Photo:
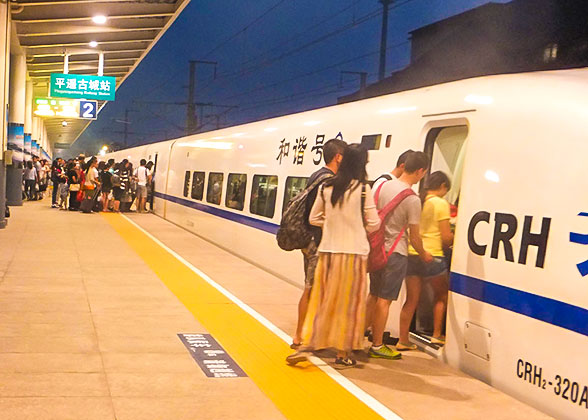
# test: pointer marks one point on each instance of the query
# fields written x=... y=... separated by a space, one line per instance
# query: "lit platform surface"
x=90 y=312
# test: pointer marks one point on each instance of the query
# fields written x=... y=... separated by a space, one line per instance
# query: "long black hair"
x=434 y=182
x=90 y=163
x=352 y=168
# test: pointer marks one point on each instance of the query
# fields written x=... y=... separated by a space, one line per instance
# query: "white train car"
x=516 y=147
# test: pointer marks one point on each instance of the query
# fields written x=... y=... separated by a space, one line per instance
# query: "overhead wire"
x=311 y=73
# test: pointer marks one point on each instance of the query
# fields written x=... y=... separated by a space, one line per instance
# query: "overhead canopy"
x=48 y=30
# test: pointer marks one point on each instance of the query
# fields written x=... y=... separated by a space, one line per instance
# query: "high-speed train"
x=516 y=148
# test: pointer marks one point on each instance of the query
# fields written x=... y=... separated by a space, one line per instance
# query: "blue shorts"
x=417 y=267
x=387 y=282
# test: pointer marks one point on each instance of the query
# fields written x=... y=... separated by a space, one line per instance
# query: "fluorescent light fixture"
x=270 y=129
x=311 y=123
x=492 y=176
x=397 y=110
x=479 y=99
x=99 y=19
x=93 y=44
x=64 y=123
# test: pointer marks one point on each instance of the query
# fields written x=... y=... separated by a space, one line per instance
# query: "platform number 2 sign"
x=88 y=110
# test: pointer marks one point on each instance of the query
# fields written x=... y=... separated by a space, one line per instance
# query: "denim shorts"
x=417 y=267
x=387 y=282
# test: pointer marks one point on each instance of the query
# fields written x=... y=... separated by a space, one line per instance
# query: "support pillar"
x=16 y=119
x=28 y=122
x=4 y=70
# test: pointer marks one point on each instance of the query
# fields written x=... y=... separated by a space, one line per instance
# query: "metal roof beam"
x=73 y=68
x=60 y=62
x=73 y=44
x=89 y=18
x=90 y=31
x=62 y=2
x=86 y=52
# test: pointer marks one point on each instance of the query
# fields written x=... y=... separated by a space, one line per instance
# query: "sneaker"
x=345 y=363
x=384 y=352
x=299 y=356
x=405 y=347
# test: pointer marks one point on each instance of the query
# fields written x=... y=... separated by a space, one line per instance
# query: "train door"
x=446 y=146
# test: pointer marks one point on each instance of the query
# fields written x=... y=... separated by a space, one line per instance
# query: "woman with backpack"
x=345 y=210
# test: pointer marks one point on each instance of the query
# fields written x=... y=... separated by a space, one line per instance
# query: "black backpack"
x=295 y=231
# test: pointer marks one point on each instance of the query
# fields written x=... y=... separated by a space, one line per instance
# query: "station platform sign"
x=78 y=86
x=65 y=108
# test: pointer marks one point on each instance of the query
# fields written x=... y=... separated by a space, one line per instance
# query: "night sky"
x=275 y=57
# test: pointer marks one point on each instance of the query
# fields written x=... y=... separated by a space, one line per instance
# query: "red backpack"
x=378 y=257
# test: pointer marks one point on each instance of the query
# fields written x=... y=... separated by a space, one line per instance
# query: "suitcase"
x=87 y=204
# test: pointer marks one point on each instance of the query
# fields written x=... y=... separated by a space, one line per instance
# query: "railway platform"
x=106 y=317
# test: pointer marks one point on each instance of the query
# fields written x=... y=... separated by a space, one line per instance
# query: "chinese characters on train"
x=299 y=146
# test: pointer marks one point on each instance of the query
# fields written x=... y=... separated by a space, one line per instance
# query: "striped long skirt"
x=336 y=310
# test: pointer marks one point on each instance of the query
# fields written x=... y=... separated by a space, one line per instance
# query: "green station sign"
x=78 y=86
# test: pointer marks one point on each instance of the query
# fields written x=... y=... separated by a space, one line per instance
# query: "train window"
x=186 y=183
x=294 y=184
x=371 y=141
x=388 y=140
x=236 y=191
x=215 y=187
x=263 y=195
x=197 y=185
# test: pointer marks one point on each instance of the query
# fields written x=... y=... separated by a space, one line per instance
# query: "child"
x=63 y=192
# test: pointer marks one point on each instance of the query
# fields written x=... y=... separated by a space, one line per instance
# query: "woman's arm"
x=370 y=214
x=317 y=213
x=446 y=233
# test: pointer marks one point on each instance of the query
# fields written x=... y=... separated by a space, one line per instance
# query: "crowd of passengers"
x=336 y=310
x=110 y=185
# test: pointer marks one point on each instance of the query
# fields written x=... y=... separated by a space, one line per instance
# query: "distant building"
x=523 y=35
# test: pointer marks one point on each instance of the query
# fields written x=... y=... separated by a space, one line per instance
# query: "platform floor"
x=90 y=309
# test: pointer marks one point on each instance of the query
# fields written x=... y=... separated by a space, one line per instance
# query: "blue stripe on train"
x=554 y=312
x=239 y=218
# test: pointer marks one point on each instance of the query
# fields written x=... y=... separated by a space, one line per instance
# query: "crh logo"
x=582 y=239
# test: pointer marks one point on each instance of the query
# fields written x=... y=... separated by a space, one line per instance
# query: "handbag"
x=80 y=196
x=74 y=187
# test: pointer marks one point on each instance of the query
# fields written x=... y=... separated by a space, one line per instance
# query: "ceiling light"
x=64 y=123
x=93 y=44
x=99 y=19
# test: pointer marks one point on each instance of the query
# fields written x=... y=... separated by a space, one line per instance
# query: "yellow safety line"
x=299 y=393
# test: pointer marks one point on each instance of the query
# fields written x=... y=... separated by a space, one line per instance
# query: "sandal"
x=345 y=362
x=405 y=347
x=295 y=346
x=299 y=356
x=438 y=340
